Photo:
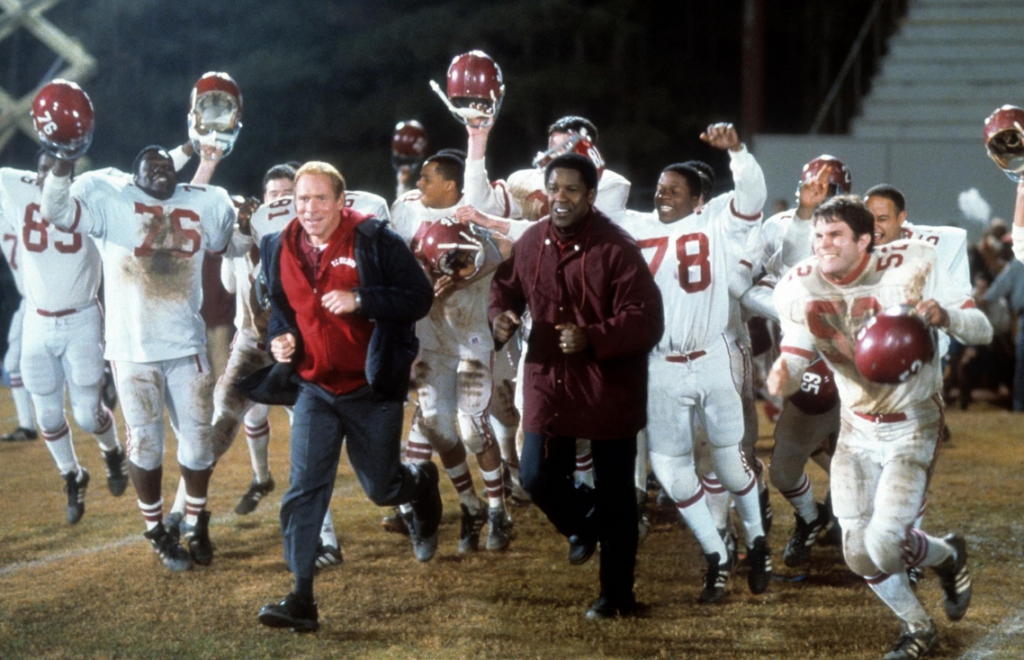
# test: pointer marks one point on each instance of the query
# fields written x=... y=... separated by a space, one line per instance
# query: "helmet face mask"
x=840 y=181
x=1004 y=140
x=215 y=115
x=450 y=248
x=475 y=89
x=577 y=142
x=63 y=115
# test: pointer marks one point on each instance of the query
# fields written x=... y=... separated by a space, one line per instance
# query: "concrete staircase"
x=951 y=64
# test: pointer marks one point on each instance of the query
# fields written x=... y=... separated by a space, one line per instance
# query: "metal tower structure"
x=73 y=61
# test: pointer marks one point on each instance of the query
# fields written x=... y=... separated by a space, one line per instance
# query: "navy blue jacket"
x=394 y=293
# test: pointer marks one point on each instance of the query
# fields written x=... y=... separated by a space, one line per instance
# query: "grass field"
x=96 y=590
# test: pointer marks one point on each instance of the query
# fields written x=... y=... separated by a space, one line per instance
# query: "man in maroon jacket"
x=596 y=314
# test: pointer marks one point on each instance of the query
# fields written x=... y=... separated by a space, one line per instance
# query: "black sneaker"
x=75 y=486
x=172 y=523
x=167 y=548
x=426 y=514
x=798 y=550
x=398 y=522
x=499 y=534
x=117 y=470
x=914 y=575
x=328 y=555
x=759 y=559
x=20 y=434
x=198 y=538
x=252 y=497
x=955 y=579
x=472 y=524
x=913 y=645
x=299 y=614
x=714 y=579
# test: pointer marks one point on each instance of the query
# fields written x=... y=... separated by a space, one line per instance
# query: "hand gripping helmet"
x=839 y=178
x=448 y=247
x=409 y=144
x=1004 y=140
x=63 y=116
x=817 y=393
x=578 y=142
x=215 y=112
x=893 y=346
x=475 y=88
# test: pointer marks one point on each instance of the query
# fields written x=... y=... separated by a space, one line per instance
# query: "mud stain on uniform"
x=167 y=273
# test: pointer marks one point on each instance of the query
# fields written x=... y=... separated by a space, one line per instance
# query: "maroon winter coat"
x=600 y=282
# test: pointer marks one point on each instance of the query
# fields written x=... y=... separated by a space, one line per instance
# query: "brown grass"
x=96 y=590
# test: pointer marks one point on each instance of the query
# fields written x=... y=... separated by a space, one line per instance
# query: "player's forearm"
x=758 y=301
x=750 y=192
x=479 y=192
x=57 y=207
x=180 y=156
x=204 y=173
x=969 y=326
x=239 y=245
x=787 y=372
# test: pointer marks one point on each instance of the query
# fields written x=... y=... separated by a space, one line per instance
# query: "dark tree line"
x=329 y=80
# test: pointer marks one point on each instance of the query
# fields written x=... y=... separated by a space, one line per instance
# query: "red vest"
x=334 y=347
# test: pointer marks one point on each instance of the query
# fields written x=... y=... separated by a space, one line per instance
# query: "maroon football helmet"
x=475 y=88
x=578 y=142
x=448 y=247
x=1004 y=140
x=215 y=112
x=63 y=116
x=409 y=140
x=817 y=394
x=839 y=178
x=893 y=346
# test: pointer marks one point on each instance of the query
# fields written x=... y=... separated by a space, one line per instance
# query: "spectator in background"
x=1009 y=285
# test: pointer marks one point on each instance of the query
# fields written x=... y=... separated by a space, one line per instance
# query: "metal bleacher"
x=918 y=126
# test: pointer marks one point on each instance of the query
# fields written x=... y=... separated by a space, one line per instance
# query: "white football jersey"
x=408 y=213
x=152 y=254
x=9 y=244
x=787 y=241
x=691 y=260
x=59 y=269
x=819 y=315
x=951 y=244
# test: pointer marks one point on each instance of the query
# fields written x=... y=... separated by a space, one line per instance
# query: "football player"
x=891 y=419
x=691 y=255
x=799 y=435
x=450 y=398
x=152 y=234
x=62 y=344
x=26 y=429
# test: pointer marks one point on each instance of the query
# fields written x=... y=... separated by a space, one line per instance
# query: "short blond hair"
x=326 y=169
